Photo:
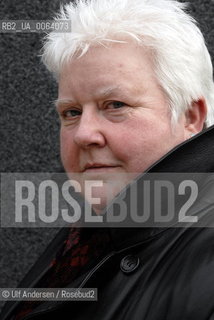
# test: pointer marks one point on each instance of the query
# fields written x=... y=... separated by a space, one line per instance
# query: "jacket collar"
x=193 y=155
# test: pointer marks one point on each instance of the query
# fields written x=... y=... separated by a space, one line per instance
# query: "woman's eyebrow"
x=59 y=103
x=104 y=93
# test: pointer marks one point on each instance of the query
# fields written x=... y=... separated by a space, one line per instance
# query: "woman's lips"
x=100 y=168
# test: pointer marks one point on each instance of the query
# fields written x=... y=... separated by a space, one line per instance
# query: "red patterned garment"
x=82 y=247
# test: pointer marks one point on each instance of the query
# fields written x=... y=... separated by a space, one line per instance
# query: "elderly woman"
x=135 y=81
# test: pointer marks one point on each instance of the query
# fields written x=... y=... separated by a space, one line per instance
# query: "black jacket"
x=164 y=273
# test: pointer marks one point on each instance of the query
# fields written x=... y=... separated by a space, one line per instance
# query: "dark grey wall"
x=28 y=127
x=28 y=122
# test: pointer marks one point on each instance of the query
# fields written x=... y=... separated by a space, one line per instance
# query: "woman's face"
x=115 y=119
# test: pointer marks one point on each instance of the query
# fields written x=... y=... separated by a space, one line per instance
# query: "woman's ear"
x=196 y=116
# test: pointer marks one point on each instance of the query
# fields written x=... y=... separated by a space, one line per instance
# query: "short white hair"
x=181 y=60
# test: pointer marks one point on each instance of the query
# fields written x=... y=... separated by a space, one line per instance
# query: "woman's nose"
x=89 y=131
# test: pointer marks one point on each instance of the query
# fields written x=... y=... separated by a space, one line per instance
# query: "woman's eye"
x=71 y=113
x=116 y=104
